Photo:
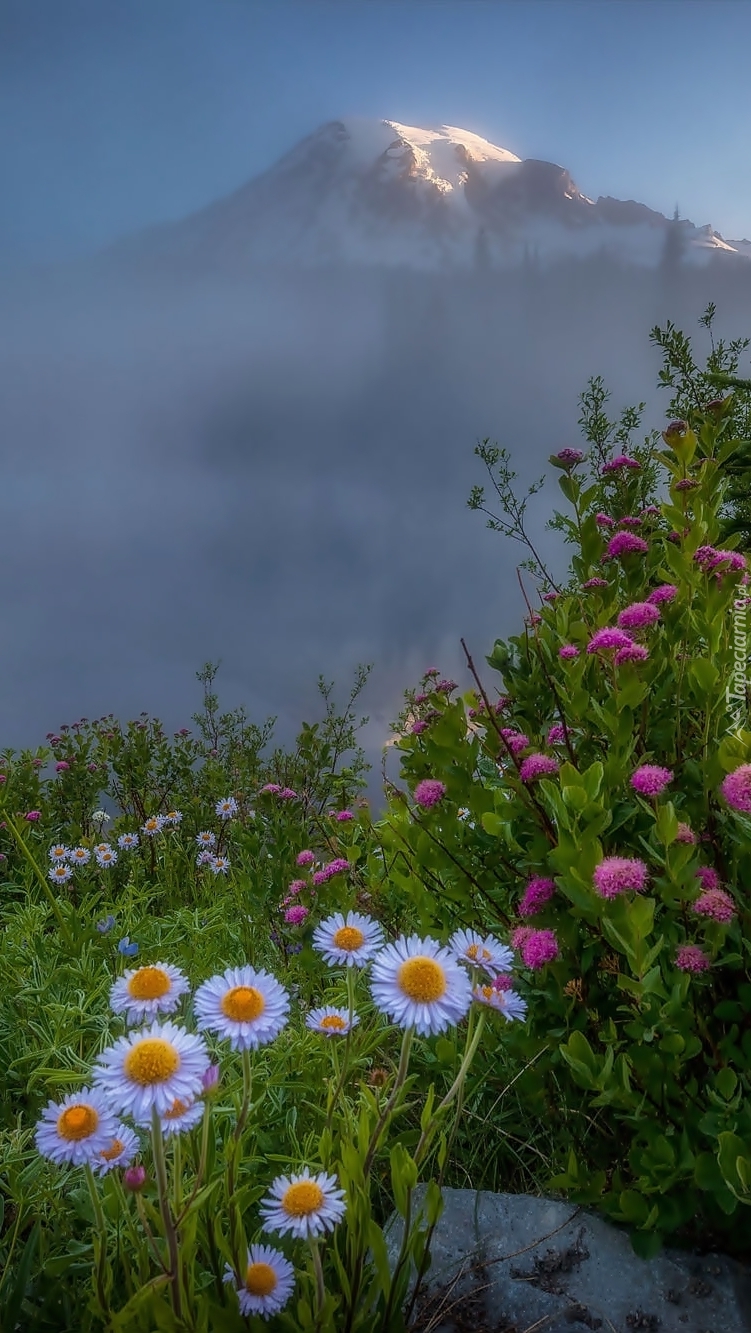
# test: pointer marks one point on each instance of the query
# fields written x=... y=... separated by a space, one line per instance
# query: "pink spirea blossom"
x=607 y=638
x=429 y=792
x=639 y=615
x=33 y=816
x=538 y=892
x=537 y=766
x=294 y=916
x=664 y=593
x=445 y=686
x=626 y=543
x=519 y=935
x=686 y=484
x=621 y=461
x=706 y=556
x=418 y=726
x=604 y=521
x=690 y=958
x=550 y=596
x=333 y=868
x=651 y=511
x=685 y=834
x=650 y=779
x=432 y=671
x=342 y=815
x=633 y=652
x=570 y=455
x=596 y=583
x=287 y=794
x=539 y=948
x=708 y=878
x=716 y=904
x=555 y=734
x=61 y=766
x=297 y=886
x=319 y=877
x=732 y=560
x=305 y=858
x=736 y=788
x=421 y=697
x=620 y=874
x=272 y=788
x=515 y=740
x=629 y=521
x=568 y=650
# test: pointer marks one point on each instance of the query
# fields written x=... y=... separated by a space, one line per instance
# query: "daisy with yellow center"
x=267 y=1283
x=304 y=1206
x=420 y=984
x=350 y=940
x=143 y=992
x=59 y=852
x=178 y=1118
x=154 y=824
x=506 y=1002
x=102 y=847
x=483 y=951
x=106 y=857
x=79 y=856
x=331 y=1022
x=152 y=1068
x=77 y=1129
x=246 y=1006
x=59 y=873
x=120 y=1151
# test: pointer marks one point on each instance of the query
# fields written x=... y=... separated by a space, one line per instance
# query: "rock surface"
x=506 y=1263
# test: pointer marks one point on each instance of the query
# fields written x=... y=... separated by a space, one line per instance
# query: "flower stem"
x=160 y=1171
x=101 y=1245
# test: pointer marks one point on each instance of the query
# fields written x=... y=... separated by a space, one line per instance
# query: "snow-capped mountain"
x=376 y=192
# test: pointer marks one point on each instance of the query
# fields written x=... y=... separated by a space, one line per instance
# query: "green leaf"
x=726 y=1081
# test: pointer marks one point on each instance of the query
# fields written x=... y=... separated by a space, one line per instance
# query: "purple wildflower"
x=305 y=858
x=651 y=779
x=294 y=916
x=568 y=650
x=607 y=638
x=539 y=948
x=685 y=834
x=571 y=456
x=538 y=892
x=736 y=788
x=429 y=792
x=633 y=652
x=622 y=460
x=556 y=734
x=537 y=766
x=639 y=615
x=708 y=878
x=620 y=874
x=604 y=521
x=626 y=543
x=690 y=958
x=665 y=592
x=716 y=904
x=596 y=583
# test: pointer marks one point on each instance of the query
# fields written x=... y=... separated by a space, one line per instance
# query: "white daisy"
x=59 y=852
x=419 y=984
x=143 y=992
x=120 y=1151
x=219 y=865
x=267 y=1283
x=59 y=872
x=152 y=1067
x=249 y=1008
x=481 y=951
x=127 y=840
x=331 y=1022
x=154 y=824
x=507 y=1002
x=303 y=1205
x=180 y=1117
x=226 y=808
x=106 y=857
x=76 y=1129
x=102 y=847
x=206 y=839
x=79 y=856
x=204 y=859
x=350 y=940
x=173 y=818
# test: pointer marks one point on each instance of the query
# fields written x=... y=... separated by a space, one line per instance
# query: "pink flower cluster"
x=603 y=640
x=716 y=904
x=555 y=734
x=537 y=947
x=596 y=583
x=305 y=858
x=429 y=792
x=685 y=834
x=690 y=958
x=342 y=815
x=621 y=461
x=620 y=874
x=625 y=543
x=665 y=592
x=537 y=766
x=515 y=740
x=708 y=878
x=629 y=521
x=538 y=892
x=736 y=788
x=333 y=868
x=639 y=615
x=294 y=916
x=568 y=650
x=650 y=779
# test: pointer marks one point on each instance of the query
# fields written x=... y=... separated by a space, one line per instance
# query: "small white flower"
x=303 y=1205
x=79 y=856
x=204 y=859
x=143 y=992
x=102 y=847
x=331 y=1022
x=226 y=808
x=178 y=1119
x=59 y=872
x=154 y=824
x=59 y=852
x=173 y=818
x=100 y=817
x=507 y=1002
x=481 y=951
x=76 y=1129
x=267 y=1283
x=248 y=1007
x=349 y=940
x=127 y=840
x=106 y=857
x=153 y=1067
x=206 y=839
x=420 y=984
x=219 y=865
x=120 y=1151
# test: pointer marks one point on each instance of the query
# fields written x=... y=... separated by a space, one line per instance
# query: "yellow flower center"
x=148 y=983
x=260 y=1280
x=171 y=814
x=422 y=979
x=114 y=1150
x=471 y=951
x=349 y=938
x=77 y=1122
x=303 y=1198
x=177 y=1109
x=487 y=992
x=333 y=1022
x=243 y=1004
x=60 y=870
x=152 y=1060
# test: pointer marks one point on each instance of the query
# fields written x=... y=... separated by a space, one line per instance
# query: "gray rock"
x=514 y=1263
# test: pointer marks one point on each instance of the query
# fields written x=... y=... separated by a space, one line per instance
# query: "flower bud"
x=681 y=439
x=134 y=1179
x=210 y=1079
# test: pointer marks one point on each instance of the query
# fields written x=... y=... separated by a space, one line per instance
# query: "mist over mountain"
x=206 y=460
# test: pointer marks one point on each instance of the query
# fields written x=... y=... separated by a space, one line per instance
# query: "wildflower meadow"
x=240 y=1020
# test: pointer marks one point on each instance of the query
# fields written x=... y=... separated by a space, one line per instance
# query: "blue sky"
x=115 y=114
